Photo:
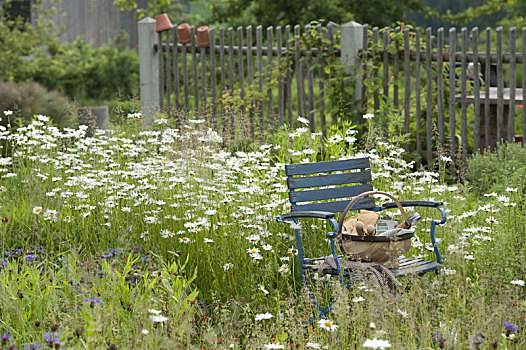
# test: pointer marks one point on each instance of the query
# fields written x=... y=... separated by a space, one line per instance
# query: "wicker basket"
x=379 y=249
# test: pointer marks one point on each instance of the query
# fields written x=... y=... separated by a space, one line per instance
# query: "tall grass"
x=174 y=202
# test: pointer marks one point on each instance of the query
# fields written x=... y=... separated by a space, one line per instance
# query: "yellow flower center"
x=328 y=323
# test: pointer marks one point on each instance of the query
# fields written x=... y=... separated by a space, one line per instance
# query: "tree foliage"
x=274 y=13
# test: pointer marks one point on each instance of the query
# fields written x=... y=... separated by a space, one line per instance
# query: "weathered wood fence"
x=455 y=98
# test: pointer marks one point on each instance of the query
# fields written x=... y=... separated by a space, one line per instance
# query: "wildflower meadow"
x=167 y=239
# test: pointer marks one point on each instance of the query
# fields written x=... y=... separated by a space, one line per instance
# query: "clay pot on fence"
x=203 y=36
x=162 y=23
x=183 y=33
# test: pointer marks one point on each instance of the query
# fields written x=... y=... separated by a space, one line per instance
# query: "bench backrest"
x=328 y=186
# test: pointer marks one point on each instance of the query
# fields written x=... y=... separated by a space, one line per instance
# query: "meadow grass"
x=167 y=239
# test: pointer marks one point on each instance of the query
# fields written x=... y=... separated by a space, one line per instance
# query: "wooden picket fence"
x=445 y=108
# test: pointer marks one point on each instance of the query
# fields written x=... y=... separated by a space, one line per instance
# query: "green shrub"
x=497 y=170
x=29 y=98
x=82 y=72
x=76 y=69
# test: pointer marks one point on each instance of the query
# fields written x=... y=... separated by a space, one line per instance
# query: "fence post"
x=149 y=70
x=351 y=44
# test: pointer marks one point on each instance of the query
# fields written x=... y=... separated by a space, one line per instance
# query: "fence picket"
x=161 y=72
x=176 y=68
x=376 y=93
x=452 y=49
x=288 y=87
x=270 y=116
x=281 y=96
x=250 y=75
x=440 y=88
x=168 y=75
x=310 y=79
x=487 y=87
x=213 y=77
x=476 y=89
x=259 y=53
x=194 y=69
x=222 y=73
x=240 y=65
x=417 y=95
x=185 y=78
x=321 y=87
x=231 y=77
x=463 y=82
x=396 y=72
x=202 y=52
x=363 y=60
x=500 y=88
x=407 y=92
x=513 y=85
x=385 y=80
x=429 y=94
x=298 y=68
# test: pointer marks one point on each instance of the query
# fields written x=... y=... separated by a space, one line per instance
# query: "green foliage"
x=81 y=71
x=274 y=13
x=191 y=204
x=21 y=41
x=28 y=98
x=40 y=290
x=495 y=171
x=75 y=69
x=176 y=10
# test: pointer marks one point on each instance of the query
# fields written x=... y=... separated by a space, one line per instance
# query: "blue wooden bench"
x=322 y=189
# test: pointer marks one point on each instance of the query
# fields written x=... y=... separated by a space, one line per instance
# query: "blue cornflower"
x=439 y=339
x=93 y=300
x=31 y=257
x=32 y=346
x=51 y=338
x=509 y=327
x=3 y=262
x=5 y=337
x=113 y=251
x=145 y=259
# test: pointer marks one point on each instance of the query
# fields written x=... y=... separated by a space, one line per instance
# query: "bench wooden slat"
x=329 y=180
x=335 y=207
x=326 y=167
x=407 y=267
x=419 y=267
x=328 y=193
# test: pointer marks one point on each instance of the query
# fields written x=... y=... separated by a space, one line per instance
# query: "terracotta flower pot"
x=183 y=33
x=203 y=36
x=162 y=23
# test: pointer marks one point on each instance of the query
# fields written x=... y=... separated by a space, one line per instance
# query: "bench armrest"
x=307 y=214
x=413 y=204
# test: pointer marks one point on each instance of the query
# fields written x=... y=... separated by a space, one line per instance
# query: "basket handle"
x=364 y=194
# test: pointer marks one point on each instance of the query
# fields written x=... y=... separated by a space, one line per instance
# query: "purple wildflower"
x=93 y=300
x=509 y=327
x=439 y=339
x=32 y=346
x=51 y=338
x=5 y=337
x=31 y=257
